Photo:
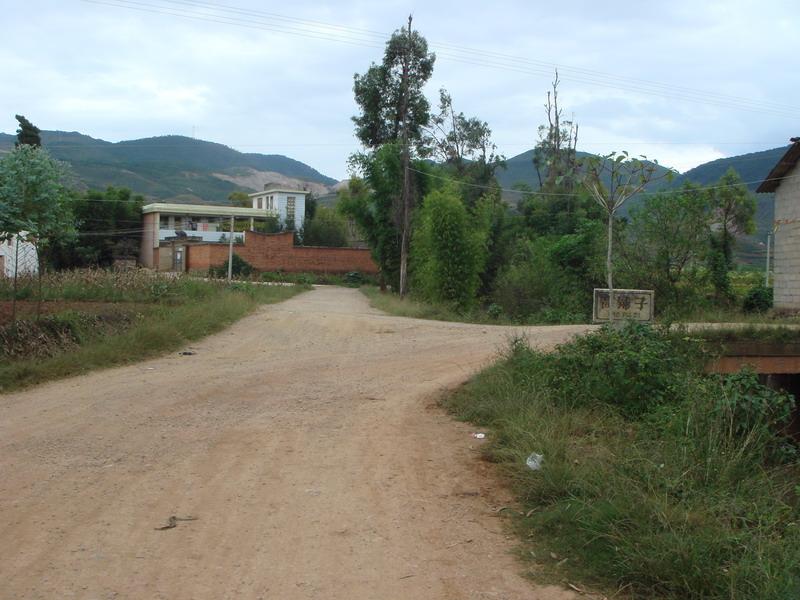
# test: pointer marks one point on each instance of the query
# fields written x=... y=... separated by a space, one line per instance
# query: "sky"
x=682 y=82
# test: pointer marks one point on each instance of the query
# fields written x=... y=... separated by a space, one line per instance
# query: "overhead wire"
x=229 y=15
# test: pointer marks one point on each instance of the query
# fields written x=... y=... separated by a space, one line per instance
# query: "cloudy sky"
x=684 y=82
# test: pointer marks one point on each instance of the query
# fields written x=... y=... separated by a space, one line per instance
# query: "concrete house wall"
x=280 y=199
x=786 y=285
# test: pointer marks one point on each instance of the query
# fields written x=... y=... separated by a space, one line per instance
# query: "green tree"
x=394 y=110
x=666 y=241
x=734 y=211
x=625 y=178
x=108 y=226
x=371 y=203
x=27 y=133
x=449 y=249
x=385 y=88
x=240 y=199
x=555 y=155
x=311 y=205
x=463 y=146
x=34 y=199
x=327 y=228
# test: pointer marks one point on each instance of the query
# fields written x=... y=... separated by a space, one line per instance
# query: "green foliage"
x=758 y=300
x=33 y=195
x=327 y=228
x=239 y=268
x=550 y=278
x=449 y=249
x=665 y=244
x=379 y=92
x=635 y=368
x=108 y=226
x=240 y=199
x=733 y=209
x=165 y=167
x=27 y=133
x=694 y=498
x=371 y=203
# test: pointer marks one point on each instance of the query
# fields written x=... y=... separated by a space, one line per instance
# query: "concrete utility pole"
x=230 y=254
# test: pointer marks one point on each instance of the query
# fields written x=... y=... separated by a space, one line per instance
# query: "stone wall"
x=787 y=243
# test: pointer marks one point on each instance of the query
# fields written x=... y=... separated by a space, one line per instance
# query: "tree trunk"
x=405 y=221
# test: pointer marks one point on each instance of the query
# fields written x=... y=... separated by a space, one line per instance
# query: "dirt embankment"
x=304 y=440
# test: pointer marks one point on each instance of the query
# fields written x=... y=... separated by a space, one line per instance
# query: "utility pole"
x=406 y=194
x=230 y=253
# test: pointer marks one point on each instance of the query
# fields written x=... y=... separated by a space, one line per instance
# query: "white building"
x=784 y=180
x=290 y=205
x=26 y=261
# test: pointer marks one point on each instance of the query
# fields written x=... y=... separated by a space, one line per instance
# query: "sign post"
x=629 y=305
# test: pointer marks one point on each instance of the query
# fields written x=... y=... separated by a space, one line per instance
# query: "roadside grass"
x=353 y=279
x=414 y=308
x=657 y=481
x=185 y=311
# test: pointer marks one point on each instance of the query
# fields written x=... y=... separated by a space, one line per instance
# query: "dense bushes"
x=449 y=250
x=326 y=228
x=656 y=478
x=239 y=268
x=758 y=299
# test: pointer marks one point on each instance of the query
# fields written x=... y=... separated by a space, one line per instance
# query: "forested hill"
x=751 y=167
x=173 y=167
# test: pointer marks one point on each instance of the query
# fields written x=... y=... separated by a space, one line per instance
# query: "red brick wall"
x=277 y=252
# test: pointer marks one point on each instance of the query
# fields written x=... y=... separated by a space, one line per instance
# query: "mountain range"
x=182 y=169
x=173 y=167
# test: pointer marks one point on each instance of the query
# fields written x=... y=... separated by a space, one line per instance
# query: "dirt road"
x=304 y=439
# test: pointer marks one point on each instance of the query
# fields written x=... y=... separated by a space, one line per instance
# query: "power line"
x=229 y=15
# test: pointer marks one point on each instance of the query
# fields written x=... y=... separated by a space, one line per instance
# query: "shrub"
x=758 y=300
x=327 y=228
x=449 y=250
x=239 y=268
x=635 y=368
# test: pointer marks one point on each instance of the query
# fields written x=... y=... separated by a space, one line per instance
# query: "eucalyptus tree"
x=394 y=111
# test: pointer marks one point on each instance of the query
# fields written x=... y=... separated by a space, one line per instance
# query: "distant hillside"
x=174 y=167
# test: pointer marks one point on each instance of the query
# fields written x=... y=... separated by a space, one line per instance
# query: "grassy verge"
x=161 y=327
x=656 y=479
x=410 y=307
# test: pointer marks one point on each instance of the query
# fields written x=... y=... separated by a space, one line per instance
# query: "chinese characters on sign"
x=629 y=305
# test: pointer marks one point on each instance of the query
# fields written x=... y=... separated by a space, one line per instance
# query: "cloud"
x=120 y=74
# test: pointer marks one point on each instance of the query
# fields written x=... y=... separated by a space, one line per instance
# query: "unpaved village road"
x=305 y=440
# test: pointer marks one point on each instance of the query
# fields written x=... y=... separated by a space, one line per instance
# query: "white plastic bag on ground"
x=534 y=461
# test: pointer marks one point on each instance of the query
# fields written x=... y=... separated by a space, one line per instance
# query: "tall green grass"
x=656 y=479
x=167 y=325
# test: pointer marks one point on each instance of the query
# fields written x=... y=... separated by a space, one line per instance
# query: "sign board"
x=629 y=305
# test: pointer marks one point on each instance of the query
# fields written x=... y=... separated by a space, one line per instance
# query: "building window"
x=290 y=209
x=260 y=205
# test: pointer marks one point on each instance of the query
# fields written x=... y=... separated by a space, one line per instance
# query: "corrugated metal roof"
x=782 y=169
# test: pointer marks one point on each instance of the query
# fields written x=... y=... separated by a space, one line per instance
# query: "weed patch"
x=656 y=478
